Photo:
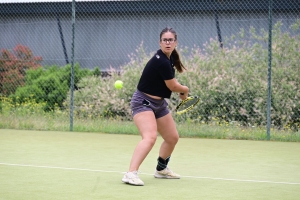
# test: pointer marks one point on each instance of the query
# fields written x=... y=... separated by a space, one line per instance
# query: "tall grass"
x=31 y=116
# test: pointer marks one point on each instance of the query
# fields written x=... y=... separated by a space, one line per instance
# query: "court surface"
x=69 y=165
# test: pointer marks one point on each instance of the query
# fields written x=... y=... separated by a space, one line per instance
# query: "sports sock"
x=162 y=163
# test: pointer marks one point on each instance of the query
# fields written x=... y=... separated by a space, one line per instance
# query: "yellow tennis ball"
x=118 y=84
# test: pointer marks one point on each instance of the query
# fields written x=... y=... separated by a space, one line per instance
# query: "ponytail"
x=177 y=62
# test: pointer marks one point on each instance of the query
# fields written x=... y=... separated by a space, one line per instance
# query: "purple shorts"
x=141 y=102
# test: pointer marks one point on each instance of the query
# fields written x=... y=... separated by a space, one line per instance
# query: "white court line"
x=195 y=177
x=64 y=168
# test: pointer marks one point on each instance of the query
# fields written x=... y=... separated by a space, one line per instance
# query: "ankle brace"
x=162 y=163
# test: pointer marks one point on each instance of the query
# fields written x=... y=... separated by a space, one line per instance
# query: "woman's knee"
x=150 y=140
x=172 y=139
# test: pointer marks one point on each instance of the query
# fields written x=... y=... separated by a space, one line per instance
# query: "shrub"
x=97 y=97
x=13 y=67
x=231 y=81
x=49 y=85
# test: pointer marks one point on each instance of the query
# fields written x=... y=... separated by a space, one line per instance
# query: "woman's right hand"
x=184 y=95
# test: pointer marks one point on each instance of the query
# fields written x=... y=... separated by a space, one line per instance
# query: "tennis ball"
x=118 y=84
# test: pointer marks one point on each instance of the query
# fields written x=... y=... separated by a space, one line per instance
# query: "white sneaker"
x=132 y=178
x=166 y=173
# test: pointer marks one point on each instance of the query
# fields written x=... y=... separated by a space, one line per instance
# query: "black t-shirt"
x=158 y=69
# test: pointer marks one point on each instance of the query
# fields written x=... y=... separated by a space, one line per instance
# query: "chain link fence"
x=223 y=43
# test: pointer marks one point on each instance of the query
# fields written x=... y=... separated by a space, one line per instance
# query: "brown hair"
x=177 y=62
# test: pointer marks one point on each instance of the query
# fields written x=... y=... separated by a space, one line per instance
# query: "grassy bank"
x=61 y=122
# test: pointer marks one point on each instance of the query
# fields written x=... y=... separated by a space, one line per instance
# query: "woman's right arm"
x=175 y=86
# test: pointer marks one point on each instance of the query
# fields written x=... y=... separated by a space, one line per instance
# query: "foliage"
x=13 y=67
x=30 y=116
x=49 y=85
x=231 y=81
x=96 y=72
x=28 y=107
x=98 y=97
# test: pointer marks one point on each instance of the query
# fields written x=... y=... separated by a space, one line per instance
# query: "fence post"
x=72 y=68
x=269 y=72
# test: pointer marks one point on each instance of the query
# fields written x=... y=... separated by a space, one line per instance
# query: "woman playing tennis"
x=149 y=108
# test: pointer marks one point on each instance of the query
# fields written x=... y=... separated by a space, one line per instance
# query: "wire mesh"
x=223 y=43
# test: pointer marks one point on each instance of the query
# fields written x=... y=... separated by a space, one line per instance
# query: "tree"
x=13 y=66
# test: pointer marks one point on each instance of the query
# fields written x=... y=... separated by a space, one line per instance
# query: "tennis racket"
x=187 y=104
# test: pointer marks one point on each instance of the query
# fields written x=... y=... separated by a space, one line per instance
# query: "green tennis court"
x=69 y=165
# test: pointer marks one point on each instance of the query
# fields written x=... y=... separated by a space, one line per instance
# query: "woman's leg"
x=146 y=124
x=167 y=129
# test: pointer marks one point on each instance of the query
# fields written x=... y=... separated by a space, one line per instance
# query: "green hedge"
x=232 y=82
x=49 y=85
